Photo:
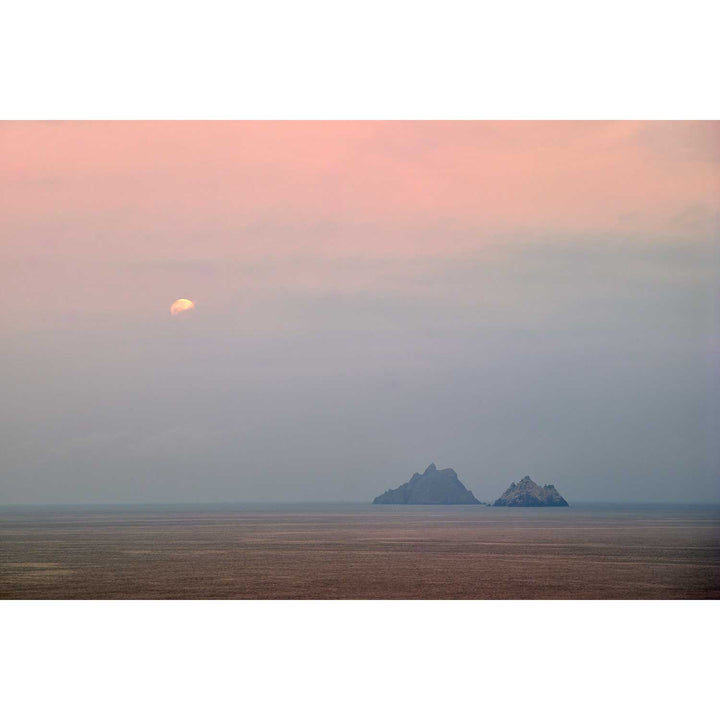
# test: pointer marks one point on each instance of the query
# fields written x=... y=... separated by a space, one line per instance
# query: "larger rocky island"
x=527 y=493
x=433 y=487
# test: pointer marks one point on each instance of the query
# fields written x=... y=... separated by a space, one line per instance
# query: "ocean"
x=357 y=551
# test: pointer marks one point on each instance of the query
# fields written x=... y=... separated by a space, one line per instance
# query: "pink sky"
x=80 y=197
x=219 y=179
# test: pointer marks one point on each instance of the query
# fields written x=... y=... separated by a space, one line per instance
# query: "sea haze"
x=334 y=551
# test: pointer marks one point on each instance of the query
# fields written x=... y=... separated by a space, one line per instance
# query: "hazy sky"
x=503 y=298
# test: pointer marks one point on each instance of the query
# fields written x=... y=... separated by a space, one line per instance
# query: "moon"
x=181 y=305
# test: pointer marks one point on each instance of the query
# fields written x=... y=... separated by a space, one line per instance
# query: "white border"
x=380 y=59
x=378 y=659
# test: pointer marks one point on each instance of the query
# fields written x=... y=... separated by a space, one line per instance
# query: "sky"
x=503 y=298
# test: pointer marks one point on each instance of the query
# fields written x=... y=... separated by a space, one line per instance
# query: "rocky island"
x=527 y=493
x=433 y=487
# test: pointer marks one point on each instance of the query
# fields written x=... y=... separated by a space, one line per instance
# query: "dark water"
x=360 y=551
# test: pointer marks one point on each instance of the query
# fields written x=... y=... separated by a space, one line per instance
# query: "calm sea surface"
x=360 y=551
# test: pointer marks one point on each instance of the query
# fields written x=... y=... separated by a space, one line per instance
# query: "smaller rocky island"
x=527 y=493
x=433 y=487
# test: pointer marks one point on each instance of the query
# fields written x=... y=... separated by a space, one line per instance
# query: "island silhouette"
x=433 y=487
x=443 y=487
